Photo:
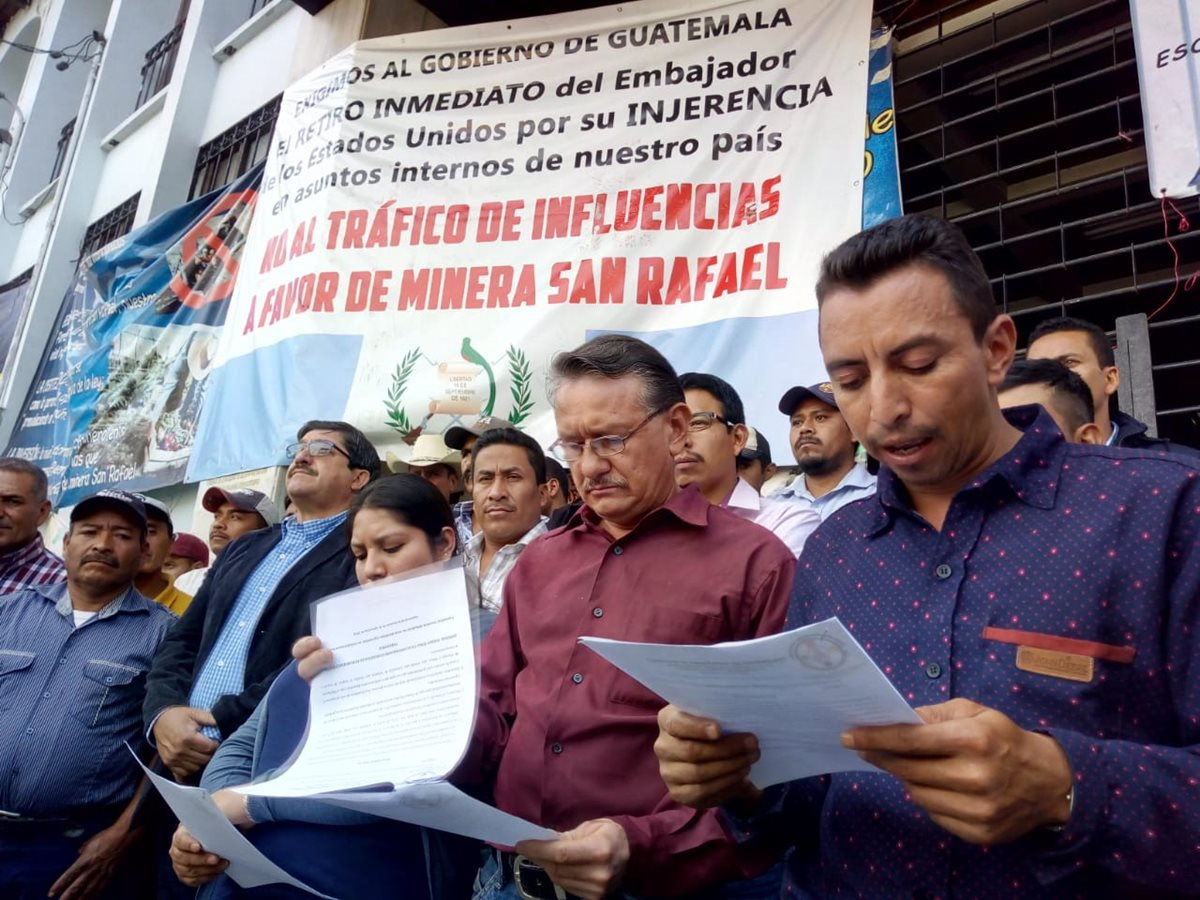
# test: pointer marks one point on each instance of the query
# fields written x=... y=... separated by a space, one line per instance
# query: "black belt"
x=74 y=821
x=532 y=881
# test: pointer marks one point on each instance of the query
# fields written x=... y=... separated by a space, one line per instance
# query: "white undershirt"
x=83 y=615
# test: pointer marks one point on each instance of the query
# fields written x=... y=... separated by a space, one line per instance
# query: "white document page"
x=399 y=702
x=194 y=807
x=441 y=805
x=796 y=691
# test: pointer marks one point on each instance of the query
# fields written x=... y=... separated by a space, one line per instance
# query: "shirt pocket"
x=12 y=664
x=658 y=624
x=110 y=695
x=1070 y=682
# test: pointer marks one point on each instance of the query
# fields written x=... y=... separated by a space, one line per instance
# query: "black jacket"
x=324 y=570
x=1132 y=433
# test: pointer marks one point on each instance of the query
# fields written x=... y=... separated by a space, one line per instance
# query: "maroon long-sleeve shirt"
x=568 y=736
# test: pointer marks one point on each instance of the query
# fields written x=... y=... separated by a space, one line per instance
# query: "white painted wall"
x=28 y=242
x=254 y=74
x=127 y=167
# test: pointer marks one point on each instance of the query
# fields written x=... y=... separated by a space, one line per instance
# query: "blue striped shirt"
x=224 y=670
x=70 y=697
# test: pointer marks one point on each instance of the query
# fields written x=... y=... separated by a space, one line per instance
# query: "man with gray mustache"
x=563 y=738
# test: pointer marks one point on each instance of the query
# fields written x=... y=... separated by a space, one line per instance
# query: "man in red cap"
x=235 y=512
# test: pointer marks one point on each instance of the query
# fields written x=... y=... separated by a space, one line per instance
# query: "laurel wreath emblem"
x=521 y=375
x=397 y=419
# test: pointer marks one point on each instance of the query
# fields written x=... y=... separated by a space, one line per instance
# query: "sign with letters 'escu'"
x=1167 y=39
x=442 y=212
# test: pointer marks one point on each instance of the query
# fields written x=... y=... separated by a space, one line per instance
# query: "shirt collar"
x=743 y=496
x=475 y=545
x=857 y=477
x=26 y=554
x=314 y=528
x=128 y=602
x=1030 y=471
x=688 y=506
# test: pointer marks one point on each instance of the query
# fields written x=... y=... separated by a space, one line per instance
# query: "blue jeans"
x=31 y=861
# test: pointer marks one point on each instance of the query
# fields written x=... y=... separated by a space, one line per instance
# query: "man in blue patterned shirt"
x=73 y=662
x=237 y=634
x=1035 y=600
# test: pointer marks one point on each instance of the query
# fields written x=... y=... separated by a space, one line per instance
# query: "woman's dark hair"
x=411 y=499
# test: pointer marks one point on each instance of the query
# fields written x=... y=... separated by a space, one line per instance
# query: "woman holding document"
x=396 y=524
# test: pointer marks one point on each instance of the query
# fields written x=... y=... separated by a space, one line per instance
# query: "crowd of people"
x=1022 y=561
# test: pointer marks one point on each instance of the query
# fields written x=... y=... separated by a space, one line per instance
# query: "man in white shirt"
x=508 y=486
x=716 y=435
x=824 y=449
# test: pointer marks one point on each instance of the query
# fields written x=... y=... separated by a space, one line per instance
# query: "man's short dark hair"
x=18 y=466
x=861 y=260
x=513 y=438
x=1096 y=336
x=1068 y=389
x=555 y=471
x=615 y=356
x=361 y=451
x=720 y=389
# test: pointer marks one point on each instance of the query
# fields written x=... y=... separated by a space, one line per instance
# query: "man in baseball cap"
x=151 y=581
x=824 y=449
x=188 y=552
x=754 y=462
x=235 y=512
x=130 y=505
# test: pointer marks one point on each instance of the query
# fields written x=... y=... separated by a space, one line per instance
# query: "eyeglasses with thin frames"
x=702 y=421
x=315 y=447
x=603 y=446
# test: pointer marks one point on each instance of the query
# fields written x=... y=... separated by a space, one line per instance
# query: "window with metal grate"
x=1022 y=123
x=234 y=151
x=113 y=224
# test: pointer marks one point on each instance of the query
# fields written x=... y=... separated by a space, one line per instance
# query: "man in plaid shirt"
x=508 y=484
x=24 y=508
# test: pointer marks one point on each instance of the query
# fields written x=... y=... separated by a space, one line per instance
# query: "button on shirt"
x=30 y=566
x=1061 y=548
x=791 y=522
x=571 y=735
x=855 y=485
x=485 y=589
x=70 y=697
x=224 y=671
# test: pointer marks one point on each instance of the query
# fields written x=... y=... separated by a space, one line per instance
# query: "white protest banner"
x=442 y=212
x=1167 y=39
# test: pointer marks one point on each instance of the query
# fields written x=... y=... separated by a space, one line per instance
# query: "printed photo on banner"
x=119 y=393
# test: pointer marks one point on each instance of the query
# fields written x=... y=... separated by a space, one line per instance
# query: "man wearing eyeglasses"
x=213 y=668
x=716 y=435
x=565 y=739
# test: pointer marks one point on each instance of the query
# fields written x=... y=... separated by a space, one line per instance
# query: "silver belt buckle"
x=559 y=893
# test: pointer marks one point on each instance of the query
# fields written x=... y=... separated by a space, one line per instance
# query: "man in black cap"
x=74 y=658
x=235 y=512
x=824 y=450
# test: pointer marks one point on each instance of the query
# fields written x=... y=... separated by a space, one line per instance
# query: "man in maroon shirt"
x=565 y=739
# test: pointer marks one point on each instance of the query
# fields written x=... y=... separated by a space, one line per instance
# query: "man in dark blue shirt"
x=73 y=662
x=1035 y=600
